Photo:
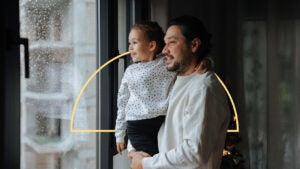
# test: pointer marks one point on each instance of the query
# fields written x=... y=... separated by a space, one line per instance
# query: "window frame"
x=10 y=86
x=107 y=87
x=107 y=34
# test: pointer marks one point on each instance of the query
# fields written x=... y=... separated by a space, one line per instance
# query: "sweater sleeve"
x=202 y=123
x=123 y=97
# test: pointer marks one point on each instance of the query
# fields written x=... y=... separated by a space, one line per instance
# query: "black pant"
x=143 y=134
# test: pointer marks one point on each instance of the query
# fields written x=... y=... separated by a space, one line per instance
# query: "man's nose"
x=165 y=50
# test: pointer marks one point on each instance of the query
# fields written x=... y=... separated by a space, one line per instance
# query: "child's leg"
x=143 y=134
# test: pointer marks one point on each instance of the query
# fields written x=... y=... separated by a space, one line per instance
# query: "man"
x=194 y=131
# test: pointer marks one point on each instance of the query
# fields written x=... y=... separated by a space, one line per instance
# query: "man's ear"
x=195 y=44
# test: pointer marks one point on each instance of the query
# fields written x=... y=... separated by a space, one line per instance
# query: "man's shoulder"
x=205 y=81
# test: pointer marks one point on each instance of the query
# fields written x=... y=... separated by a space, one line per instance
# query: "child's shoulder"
x=134 y=67
x=130 y=67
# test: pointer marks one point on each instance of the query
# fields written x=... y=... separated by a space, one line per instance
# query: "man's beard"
x=180 y=67
x=174 y=68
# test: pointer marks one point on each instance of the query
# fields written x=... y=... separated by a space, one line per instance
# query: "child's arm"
x=121 y=125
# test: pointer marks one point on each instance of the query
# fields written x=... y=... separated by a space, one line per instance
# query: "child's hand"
x=203 y=66
x=120 y=147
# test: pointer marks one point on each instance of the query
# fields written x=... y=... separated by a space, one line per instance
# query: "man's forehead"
x=173 y=32
x=174 y=28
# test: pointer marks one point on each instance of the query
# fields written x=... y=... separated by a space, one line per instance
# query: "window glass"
x=62 y=46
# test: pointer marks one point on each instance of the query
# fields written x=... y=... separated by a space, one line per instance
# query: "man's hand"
x=137 y=158
x=120 y=147
x=131 y=154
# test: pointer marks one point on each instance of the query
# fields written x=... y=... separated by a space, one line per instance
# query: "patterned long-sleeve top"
x=143 y=93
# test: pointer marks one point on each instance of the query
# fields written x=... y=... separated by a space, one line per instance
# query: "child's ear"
x=195 y=44
x=152 y=45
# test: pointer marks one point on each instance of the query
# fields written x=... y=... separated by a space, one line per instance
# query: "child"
x=143 y=94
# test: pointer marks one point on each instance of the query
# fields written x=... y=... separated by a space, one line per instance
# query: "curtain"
x=270 y=52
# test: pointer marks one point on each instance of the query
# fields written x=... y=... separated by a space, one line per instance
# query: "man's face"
x=178 y=53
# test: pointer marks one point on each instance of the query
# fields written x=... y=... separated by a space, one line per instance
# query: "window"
x=62 y=44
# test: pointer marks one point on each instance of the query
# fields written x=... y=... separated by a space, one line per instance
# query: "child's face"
x=140 y=48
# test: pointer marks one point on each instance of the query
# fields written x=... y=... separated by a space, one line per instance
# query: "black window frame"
x=10 y=85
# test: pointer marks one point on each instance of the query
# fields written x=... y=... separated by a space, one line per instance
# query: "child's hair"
x=153 y=32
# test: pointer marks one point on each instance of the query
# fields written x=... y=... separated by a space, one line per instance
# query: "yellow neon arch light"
x=110 y=131
x=236 y=119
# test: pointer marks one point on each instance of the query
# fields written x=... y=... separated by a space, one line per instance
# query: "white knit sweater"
x=194 y=131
